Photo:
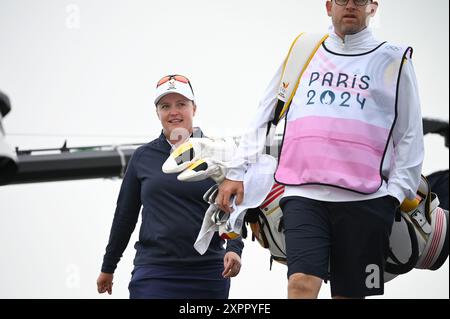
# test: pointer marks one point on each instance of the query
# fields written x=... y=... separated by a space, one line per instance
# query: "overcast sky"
x=84 y=71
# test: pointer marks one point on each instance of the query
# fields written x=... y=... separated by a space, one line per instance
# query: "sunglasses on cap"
x=176 y=77
x=359 y=3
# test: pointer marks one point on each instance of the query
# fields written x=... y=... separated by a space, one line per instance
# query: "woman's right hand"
x=105 y=283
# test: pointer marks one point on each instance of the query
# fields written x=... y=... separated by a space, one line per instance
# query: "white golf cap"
x=174 y=84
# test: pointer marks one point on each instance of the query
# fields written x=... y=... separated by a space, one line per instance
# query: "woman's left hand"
x=231 y=264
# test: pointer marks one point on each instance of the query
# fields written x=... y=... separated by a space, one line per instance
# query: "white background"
x=85 y=71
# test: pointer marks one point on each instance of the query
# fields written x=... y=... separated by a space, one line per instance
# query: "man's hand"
x=227 y=189
x=105 y=283
x=231 y=264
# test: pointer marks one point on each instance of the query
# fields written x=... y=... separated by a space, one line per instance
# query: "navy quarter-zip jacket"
x=172 y=215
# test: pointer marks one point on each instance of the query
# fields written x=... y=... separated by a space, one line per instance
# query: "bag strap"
x=399 y=268
x=425 y=191
x=299 y=56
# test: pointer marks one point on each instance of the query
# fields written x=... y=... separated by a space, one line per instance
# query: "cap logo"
x=171 y=85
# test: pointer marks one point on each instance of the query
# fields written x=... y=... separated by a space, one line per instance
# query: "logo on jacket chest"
x=337 y=89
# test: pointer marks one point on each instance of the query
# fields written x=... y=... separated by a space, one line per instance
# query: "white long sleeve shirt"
x=403 y=161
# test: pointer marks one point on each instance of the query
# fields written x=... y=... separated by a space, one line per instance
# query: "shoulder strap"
x=299 y=56
x=425 y=191
x=396 y=267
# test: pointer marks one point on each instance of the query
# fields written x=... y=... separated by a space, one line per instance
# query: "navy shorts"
x=163 y=282
x=344 y=242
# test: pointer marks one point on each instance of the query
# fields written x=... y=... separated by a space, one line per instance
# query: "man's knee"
x=303 y=286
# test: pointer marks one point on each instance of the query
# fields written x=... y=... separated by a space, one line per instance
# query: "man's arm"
x=408 y=139
x=253 y=141
x=251 y=145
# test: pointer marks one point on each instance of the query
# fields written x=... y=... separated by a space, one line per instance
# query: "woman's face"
x=176 y=114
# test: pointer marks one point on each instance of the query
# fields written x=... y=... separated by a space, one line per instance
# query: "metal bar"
x=71 y=166
x=106 y=161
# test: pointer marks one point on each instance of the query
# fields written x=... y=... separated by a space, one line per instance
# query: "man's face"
x=350 y=18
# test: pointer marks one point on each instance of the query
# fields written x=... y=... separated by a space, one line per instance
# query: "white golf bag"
x=419 y=240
